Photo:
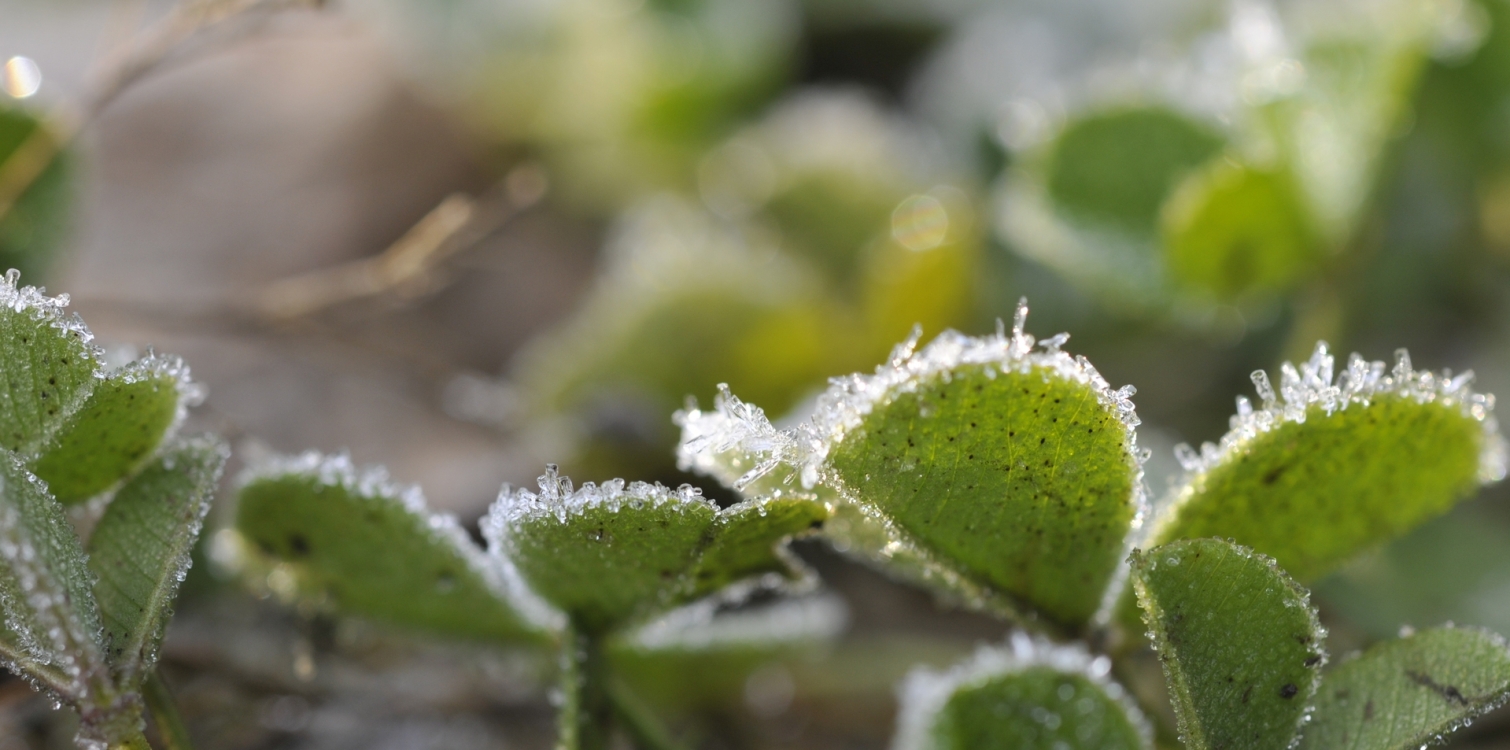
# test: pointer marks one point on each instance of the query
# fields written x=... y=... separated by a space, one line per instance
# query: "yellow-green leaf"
x=1328 y=467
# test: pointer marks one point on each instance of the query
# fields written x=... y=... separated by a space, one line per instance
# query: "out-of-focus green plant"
x=1177 y=204
x=823 y=238
x=34 y=208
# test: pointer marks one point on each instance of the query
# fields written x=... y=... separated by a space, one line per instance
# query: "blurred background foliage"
x=665 y=195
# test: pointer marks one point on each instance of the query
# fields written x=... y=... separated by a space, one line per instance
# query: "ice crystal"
x=925 y=692
x=52 y=310
x=558 y=499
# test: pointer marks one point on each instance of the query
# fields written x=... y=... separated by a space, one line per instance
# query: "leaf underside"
x=1239 y=643
x=140 y=550
x=113 y=434
x=1315 y=493
x=1409 y=692
x=47 y=599
x=605 y=566
x=1021 y=480
x=1038 y=708
x=374 y=557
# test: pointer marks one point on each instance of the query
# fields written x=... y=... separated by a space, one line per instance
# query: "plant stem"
x=586 y=717
x=164 y=711
x=643 y=727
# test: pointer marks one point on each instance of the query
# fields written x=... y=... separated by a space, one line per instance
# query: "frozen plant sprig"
x=86 y=626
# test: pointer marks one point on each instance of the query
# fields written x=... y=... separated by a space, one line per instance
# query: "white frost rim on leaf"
x=52 y=310
x=558 y=499
x=374 y=483
x=1312 y=385
x=925 y=692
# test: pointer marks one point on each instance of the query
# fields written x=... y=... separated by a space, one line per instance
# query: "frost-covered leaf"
x=612 y=554
x=1328 y=467
x=746 y=540
x=117 y=429
x=1233 y=233
x=1031 y=695
x=1014 y=468
x=1239 y=642
x=1116 y=167
x=35 y=225
x=49 y=606
x=81 y=428
x=140 y=550
x=48 y=363
x=368 y=547
x=1410 y=692
x=602 y=555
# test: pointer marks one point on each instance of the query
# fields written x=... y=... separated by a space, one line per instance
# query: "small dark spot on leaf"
x=1288 y=691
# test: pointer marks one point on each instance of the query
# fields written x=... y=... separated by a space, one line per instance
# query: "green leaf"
x=1239 y=642
x=1015 y=468
x=117 y=430
x=615 y=554
x=1031 y=695
x=1116 y=167
x=46 y=588
x=604 y=555
x=37 y=223
x=1234 y=233
x=1410 y=692
x=1337 y=466
x=140 y=550
x=354 y=540
x=747 y=540
x=48 y=364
